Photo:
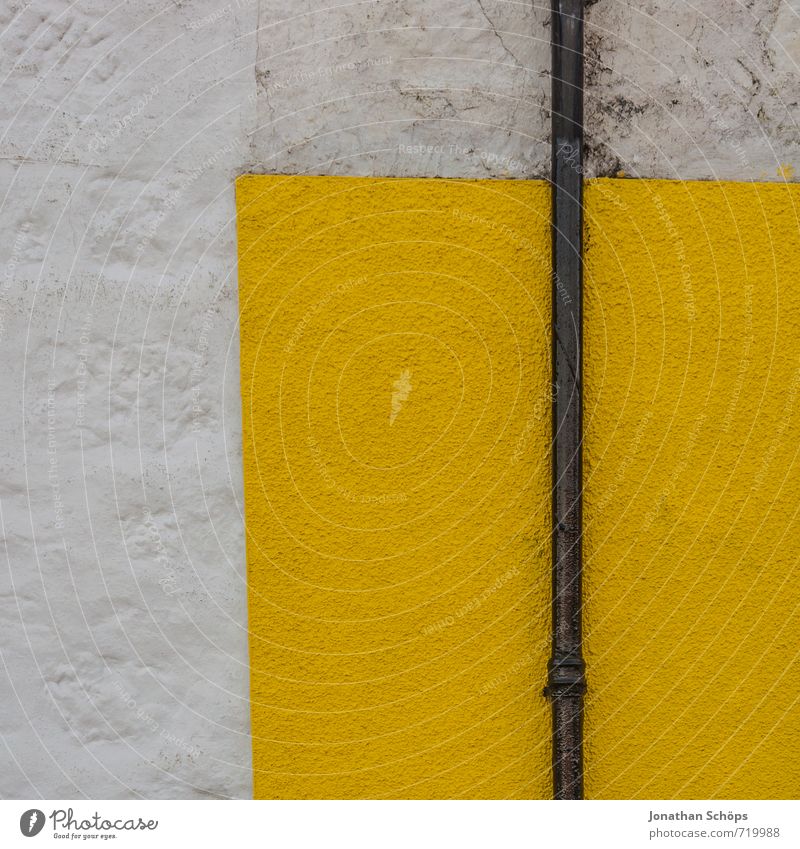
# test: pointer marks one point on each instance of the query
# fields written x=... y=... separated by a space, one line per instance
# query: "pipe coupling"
x=566 y=676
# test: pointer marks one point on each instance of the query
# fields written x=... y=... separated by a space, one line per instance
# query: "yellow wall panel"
x=692 y=490
x=395 y=376
x=395 y=381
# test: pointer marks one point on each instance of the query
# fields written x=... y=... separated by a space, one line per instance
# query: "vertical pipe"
x=566 y=682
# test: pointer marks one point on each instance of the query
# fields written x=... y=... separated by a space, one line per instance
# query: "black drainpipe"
x=566 y=682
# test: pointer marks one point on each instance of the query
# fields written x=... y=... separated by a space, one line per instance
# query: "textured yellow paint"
x=692 y=490
x=395 y=379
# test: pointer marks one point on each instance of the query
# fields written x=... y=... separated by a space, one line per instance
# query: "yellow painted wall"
x=692 y=490
x=398 y=554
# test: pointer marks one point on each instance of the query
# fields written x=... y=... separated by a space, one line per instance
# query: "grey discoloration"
x=707 y=90
x=453 y=89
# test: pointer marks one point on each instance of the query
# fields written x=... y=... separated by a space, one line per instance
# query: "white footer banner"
x=402 y=825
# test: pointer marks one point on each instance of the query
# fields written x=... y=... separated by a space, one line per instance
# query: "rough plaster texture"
x=395 y=363
x=693 y=91
x=692 y=490
x=680 y=90
x=407 y=88
x=123 y=620
x=122 y=129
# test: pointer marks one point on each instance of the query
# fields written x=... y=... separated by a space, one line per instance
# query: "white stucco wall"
x=123 y=623
x=123 y=618
x=698 y=90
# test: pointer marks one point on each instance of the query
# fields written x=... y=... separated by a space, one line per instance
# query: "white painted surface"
x=698 y=90
x=453 y=88
x=123 y=622
x=123 y=618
